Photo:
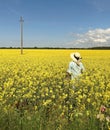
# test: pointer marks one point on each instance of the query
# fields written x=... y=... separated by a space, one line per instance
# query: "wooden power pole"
x=21 y=27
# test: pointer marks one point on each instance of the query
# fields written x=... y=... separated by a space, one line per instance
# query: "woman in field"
x=75 y=66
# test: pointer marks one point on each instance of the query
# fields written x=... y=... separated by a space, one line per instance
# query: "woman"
x=75 y=66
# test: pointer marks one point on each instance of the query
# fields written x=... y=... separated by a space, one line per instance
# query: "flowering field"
x=36 y=95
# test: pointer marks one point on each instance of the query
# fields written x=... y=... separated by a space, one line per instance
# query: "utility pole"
x=21 y=26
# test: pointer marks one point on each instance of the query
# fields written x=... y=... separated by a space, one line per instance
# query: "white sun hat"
x=75 y=56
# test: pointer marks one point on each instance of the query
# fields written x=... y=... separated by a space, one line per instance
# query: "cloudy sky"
x=55 y=23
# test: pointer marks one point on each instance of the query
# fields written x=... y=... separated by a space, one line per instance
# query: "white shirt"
x=75 y=69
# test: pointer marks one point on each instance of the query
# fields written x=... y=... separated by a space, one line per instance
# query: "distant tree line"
x=93 y=48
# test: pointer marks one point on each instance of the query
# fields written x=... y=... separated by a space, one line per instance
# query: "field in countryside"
x=36 y=95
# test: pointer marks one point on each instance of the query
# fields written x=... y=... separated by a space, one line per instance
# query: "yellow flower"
x=47 y=102
x=88 y=100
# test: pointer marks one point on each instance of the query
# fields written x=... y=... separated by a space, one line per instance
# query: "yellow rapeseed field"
x=35 y=84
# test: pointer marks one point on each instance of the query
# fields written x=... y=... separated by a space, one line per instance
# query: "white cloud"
x=96 y=37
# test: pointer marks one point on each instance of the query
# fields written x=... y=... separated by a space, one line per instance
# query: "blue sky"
x=55 y=23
